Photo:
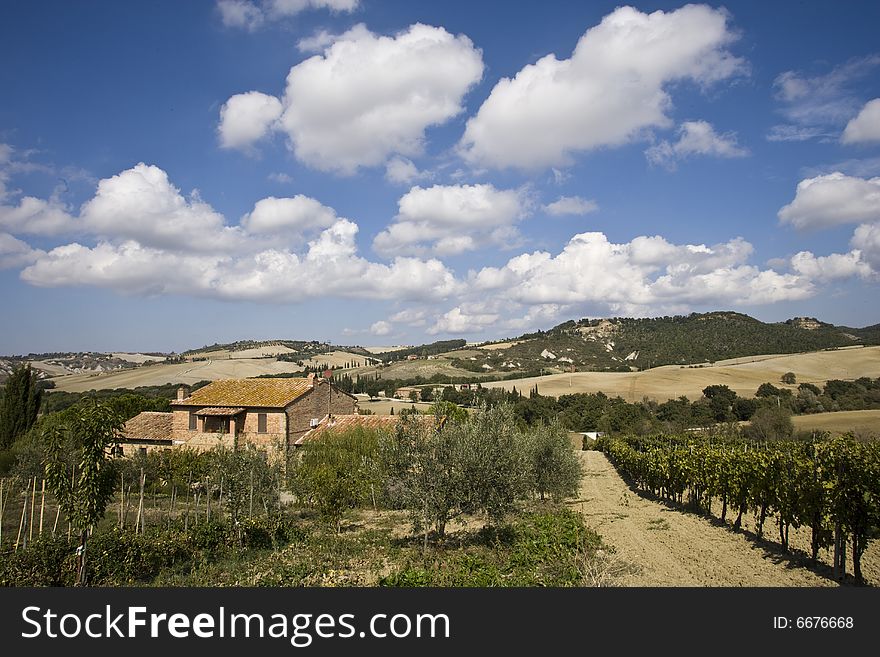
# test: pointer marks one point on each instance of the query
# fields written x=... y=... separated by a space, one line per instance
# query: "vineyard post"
x=21 y=523
x=33 y=504
x=42 y=505
x=57 y=515
x=139 y=524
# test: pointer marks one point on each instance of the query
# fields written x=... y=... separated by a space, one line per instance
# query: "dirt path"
x=665 y=547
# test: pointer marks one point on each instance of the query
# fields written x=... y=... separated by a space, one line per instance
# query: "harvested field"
x=862 y=423
x=334 y=359
x=379 y=350
x=137 y=358
x=500 y=345
x=656 y=545
x=152 y=375
x=672 y=381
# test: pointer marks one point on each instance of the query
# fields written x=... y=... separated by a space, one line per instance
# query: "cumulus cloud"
x=141 y=204
x=273 y=216
x=380 y=328
x=247 y=118
x=250 y=15
x=613 y=88
x=818 y=106
x=866 y=239
x=831 y=200
x=832 y=267
x=152 y=240
x=402 y=171
x=450 y=219
x=15 y=253
x=459 y=321
x=410 y=316
x=571 y=205
x=36 y=216
x=694 y=138
x=366 y=98
x=865 y=127
x=644 y=273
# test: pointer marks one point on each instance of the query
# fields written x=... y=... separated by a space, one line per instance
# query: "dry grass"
x=862 y=423
x=672 y=381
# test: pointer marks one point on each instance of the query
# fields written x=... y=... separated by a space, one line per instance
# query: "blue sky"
x=177 y=174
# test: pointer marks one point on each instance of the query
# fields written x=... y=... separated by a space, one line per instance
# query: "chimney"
x=181 y=393
x=311 y=378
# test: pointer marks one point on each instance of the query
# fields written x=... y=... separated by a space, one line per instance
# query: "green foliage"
x=19 y=405
x=555 y=467
x=543 y=548
x=337 y=472
x=831 y=486
x=789 y=378
x=770 y=423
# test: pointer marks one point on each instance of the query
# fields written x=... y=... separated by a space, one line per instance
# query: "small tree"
x=789 y=378
x=556 y=470
x=770 y=423
x=336 y=472
x=20 y=405
x=79 y=471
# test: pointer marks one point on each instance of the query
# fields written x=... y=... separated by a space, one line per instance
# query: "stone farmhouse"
x=271 y=414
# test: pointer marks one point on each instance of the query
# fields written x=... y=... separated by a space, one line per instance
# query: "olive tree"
x=555 y=468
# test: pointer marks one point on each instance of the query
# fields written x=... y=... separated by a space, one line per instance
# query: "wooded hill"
x=622 y=344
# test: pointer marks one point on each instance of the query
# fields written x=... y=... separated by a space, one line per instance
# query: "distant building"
x=406 y=393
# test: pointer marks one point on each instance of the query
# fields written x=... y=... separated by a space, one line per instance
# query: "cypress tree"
x=21 y=403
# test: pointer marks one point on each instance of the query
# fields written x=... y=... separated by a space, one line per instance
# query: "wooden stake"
x=21 y=522
x=139 y=525
x=57 y=515
x=33 y=505
x=42 y=505
x=2 y=509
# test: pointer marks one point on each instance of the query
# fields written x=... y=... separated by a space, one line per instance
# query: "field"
x=742 y=376
x=864 y=423
x=188 y=373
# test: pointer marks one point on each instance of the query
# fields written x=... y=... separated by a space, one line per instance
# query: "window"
x=261 y=423
x=193 y=421
x=143 y=451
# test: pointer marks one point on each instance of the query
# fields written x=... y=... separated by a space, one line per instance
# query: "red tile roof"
x=149 y=425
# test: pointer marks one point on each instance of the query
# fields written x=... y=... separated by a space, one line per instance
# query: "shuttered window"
x=193 y=422
x=261 y=423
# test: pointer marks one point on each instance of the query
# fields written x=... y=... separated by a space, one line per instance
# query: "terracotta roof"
x=149 y=425
x=345 y=422
x=220 y=412
x=264 y=393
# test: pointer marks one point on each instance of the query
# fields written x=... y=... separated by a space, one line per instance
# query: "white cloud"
x=380 y=328
x=15 y=253
x=459 y=322
x=249 y=15
x=401 y=171
x=450 y=219
x=866 y=239
x=818 y=106
x=329 y=268
x=367 y=97
x=832 y=267
x=410 y=316
x=831 y=200
x=281 y=178
x=695 y=138
x=571 y=205
x=247 y=118
x=613 y=88
x=141 y=204
x=866 y=126
x=240 y=13
x=645 y=273
x=35 y=216
x=288 y=215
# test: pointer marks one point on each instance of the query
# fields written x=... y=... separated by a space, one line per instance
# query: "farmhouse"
x=268 y=413
x=407 y=391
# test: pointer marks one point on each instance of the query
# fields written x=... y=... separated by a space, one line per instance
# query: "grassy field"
x=742 y=375
x=862 y=423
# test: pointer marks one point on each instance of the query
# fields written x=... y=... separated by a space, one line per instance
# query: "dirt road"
x=659 y=546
